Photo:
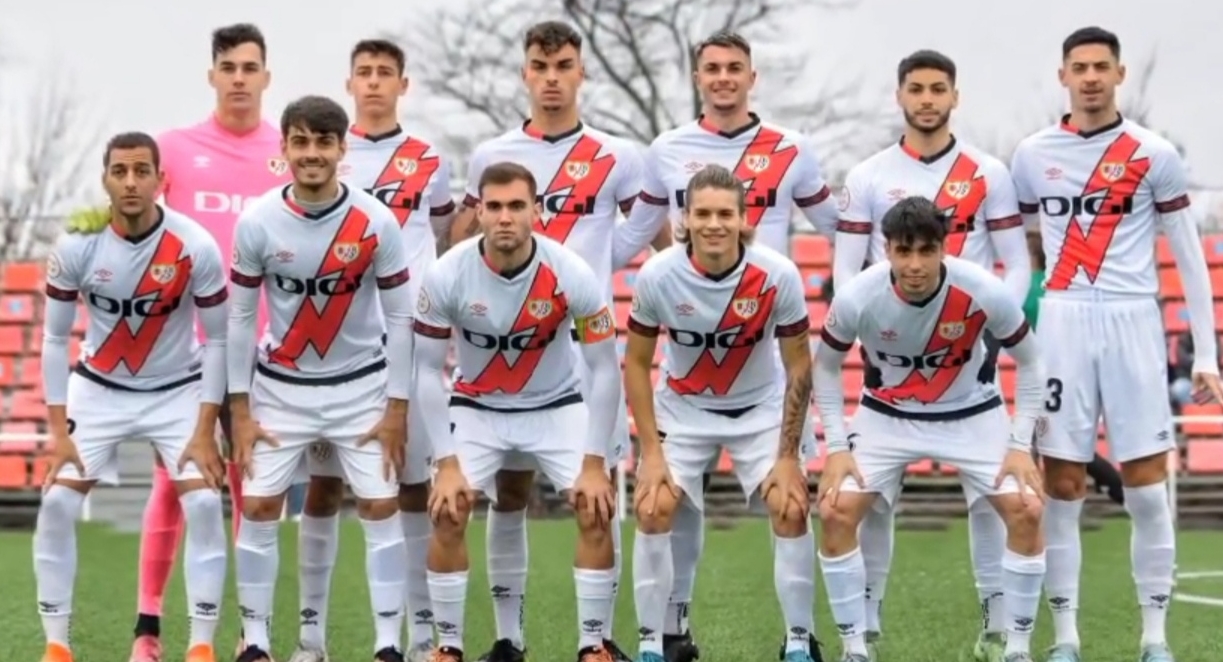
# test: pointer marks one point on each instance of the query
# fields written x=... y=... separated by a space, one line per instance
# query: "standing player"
x=590 y=176
x=921 y=316
x=1103 y=187
x=515 y=298
x=974 y=192
x=719 y=389
x=413 y=180
x=142 y=376
x=330 y=256
x=780 y=171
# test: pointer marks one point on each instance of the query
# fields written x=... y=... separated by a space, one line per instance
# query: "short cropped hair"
x=551 y=36
x=718 y=178
x=914 y=220
x=505 y=173
x=379 y=47
x=315 y=114
x=132 y=140
x=925 y=59
x=227 y=38
x=722 y=40
x=1092 y=35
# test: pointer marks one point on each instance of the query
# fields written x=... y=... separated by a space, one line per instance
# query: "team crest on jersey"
x=54 y=268
x=756 y=162
x=277 y=166
x=950 y=330
x=577 y=169
x=958 y=190
x=843 y=198
x=745 y=308
x=406 y=167
x=346 y=252
x=539 y=308
x=163 y=273
x=1112 y=171
x=423 y=305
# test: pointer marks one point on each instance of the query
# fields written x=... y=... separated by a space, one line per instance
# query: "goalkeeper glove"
x=88 y=220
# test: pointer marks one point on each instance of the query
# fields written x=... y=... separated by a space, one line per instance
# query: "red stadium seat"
x=1204 y=456
x=622 y=283
x=38 y=470
x=623 y=308
x=810 y=250
x=28 y=405
x=8 y=371
x=14 y=473
x=22 y=277
x=16 y=309
x=817 y=311
x=1170 y=283
x=813 y=280
x=1197 y=429
x=1176 y=317
x=1212 y=245
x=1163 y=253
x=31 y=372
x=12 y=340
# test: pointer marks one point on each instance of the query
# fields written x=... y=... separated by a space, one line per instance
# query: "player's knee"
x=1022 y=515
x=839 y=525
x=414 y=498
x=451 y=533
x=61 y=504
x=514 y=490
x=201 y=505
x=377 y=509
x=655 y=515
x=262 y=509
x=592 y=528
x=1145 y=471
x=787 y=517
x=1065 y=481
x=323 y=496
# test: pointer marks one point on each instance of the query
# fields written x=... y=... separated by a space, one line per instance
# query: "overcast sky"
x=142 y=63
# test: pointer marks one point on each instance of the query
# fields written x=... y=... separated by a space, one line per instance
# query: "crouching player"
x=512 y=298
x=142 y=377
x=920 y=317
x=722 y=301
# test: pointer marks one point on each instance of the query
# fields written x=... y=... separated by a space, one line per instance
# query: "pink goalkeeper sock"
x=235 y=496
x=162 y=527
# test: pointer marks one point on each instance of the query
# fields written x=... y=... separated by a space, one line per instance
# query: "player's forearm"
x=1030 y=387
x=796 y=407
x=430 y=360
x=465 y=224
x=1011 y=246
x=241 y=339
x=396 y=307
x=848 y=255
x=59 y=316
x=640 y=394
x=215 y=322
x=1186 y=245
x=830 y=397
x=606 y=389
x=441 y=230
x=635 y=233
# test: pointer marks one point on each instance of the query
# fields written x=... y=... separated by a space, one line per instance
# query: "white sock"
x=653 y=575
x=1063 y=562
x=257 y=563
x=845 y=583
x=388 y=578
x=55 y=560
x=1153 y=556
x=448 y=593
x=508 y=559
x=987 y=544
x=617 y=571
x=1021 y=580
x=687 y=543
x=417 y=529
x=794 y=579
x=317 y=547
x=205 y=562
x=877 y=539
x=594 y=589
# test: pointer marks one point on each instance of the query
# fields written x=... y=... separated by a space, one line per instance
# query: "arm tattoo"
x=796 y=410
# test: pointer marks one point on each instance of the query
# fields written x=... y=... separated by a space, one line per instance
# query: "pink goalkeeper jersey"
x=212 y=174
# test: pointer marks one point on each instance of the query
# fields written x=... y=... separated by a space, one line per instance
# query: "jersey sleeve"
x=1170 y=182
x=854 y=204
x=432 y=317
x=390 y=256
x=1003 y=314
x=246 y=267
x=810 y=187
x=475 y=169
x=1001 y=201
x=592 y=318
x=208 y=279
x=841 y=324
x=653 y=189
x=1025 y=194
x=791 y=306
x=441 y=200
x=65 y=268
x=628 y=184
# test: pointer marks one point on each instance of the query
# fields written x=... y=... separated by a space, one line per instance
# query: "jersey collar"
x=705 y=124
x=555 y=138
x=517 y=271
x=135 y=239
x=1070 y=128
x=375 y=137
x=942 y=282
x=696 y=266
x=933 y=158
x=297 y=209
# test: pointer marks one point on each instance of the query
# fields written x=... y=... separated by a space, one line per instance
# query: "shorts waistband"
x=333 y=380
x=94 y=377
x=563 y=401
x=1097 y=296
x=880 y=407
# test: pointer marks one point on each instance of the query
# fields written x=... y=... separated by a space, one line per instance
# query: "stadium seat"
x=813 y=280
x=1170 y=283
x=810 y=250
x=622 y=283
x=623 y=308
x=817 y=311
x=1176 y=317
x=852 y=379
x=22 y=277
x=14 y=474
x=16 y=309
x=639 y=259
x=1163 y=252
x=1006 y=380
x=1213 y=247
x=12 y=340
x=1204 y=456
x=38 y=470
x=31 y=372
x=921 y=468
x=8 y=371
x=1197 y=429
x=28 y=405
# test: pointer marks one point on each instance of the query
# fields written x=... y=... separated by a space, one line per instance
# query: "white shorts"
x=298 y=416
x=887 y=445
x=100 y=418
x=548 y=440
x=1110 y=358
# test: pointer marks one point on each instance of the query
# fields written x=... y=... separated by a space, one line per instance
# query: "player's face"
x=927 y=97
x=713 y=221
x=725 y=77
x=507 y=214
x=312 y=157
x=916 y=267
x=239 y=77
x=553 y=80
x=131 y=180
x=376 y=84
x=1091 y=74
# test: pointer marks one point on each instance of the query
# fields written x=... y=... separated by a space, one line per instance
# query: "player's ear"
x=212 y=77
x=404 y=84
x=752 y=82
x=1061 y=76
x=539 y=210
x=284 y=148
x=955 y=98
x=348 y=86
x=267 y=78
x=1120 y=74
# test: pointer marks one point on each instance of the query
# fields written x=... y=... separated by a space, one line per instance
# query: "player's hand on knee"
x=1020 y=466
x=593 y=491
x=653 y=477
x=837 y=468
x=247 y=433
x=392 y=434
x=203 y=452
x=1206 y=388
x=63 y=453
x=451 y=495
x=787 y=483
x=88 y=220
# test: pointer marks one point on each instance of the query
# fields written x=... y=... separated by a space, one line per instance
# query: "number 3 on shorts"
x=1054 y=402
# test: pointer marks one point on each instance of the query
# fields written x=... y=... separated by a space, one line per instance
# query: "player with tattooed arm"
x=721 y=300
x=920 y=315
x=331 y=263
x=1100 y=188
x=142 y=376
x=515 y=302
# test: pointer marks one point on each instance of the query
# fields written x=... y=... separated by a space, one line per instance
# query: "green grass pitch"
x=930 y=616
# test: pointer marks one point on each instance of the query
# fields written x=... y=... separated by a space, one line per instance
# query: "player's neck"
x=927 y=144
x=727 y=121
x=1087 y=121
x=322 y=195
x=375 y=125
x=718 y=263
x=503 y=262
x=238 y=122
x=135 y=226
x=555 y=123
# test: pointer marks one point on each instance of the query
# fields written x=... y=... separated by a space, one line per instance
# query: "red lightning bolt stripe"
x=583 y=173
x=762 y=166
x=960 y=205
x=410 y=156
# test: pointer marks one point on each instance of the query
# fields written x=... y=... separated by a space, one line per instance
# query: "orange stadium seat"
x=1204 y=456
x=623 y=308
x=813 y=280
x=28 y=405
x=14 y=473
x=1170 y=283
x=1196 y=429
x=809 y=250
x=1163 y=253
x=12 y=340
x=1176 y=317
x=622 y=283
x=38 y=470
x=22 y=277
x=16 y=309
x=1213 y=247
x=817 y=310
x=31 y=372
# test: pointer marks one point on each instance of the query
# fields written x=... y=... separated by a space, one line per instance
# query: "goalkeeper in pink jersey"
x=211 y=170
